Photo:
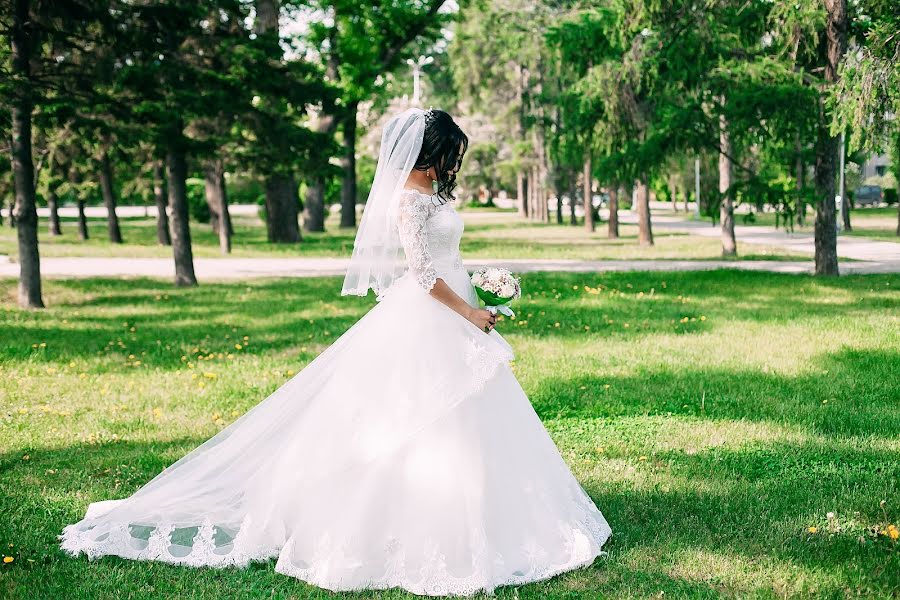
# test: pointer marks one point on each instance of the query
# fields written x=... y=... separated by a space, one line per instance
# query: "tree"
x=726 y=211
x=282 y=208
x=815 y=37
x=358 y=47
x=109 y=195
x=23 y=42
x=161 y=200
x=866 y=99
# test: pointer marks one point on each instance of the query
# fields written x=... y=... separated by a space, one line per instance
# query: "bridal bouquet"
x=496 y=288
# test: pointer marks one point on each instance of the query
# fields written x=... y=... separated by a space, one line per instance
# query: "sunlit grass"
x=738 y=430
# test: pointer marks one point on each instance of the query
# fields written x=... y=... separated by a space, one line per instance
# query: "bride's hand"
x=482 y=319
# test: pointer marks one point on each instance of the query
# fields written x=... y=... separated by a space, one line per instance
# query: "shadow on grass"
x=749 y=504
x=858 y=397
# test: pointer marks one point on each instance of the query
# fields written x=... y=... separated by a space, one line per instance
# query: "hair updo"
x=443 y=148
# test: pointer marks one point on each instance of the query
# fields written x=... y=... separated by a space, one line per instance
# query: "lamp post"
x=417 y=74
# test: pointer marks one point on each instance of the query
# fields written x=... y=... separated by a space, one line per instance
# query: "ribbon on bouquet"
x=503 y=309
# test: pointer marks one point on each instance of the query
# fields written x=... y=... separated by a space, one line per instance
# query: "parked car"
x=868 y=195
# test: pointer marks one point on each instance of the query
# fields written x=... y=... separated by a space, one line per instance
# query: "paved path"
x=856 y=248
x=246 y=268
x=868 y=257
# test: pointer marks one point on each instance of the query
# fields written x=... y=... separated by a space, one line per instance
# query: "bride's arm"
x=411 y=227
x=480 y=318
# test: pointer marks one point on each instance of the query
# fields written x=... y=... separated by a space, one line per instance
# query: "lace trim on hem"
x=434 y=579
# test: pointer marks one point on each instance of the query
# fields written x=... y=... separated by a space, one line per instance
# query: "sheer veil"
x=378 y=258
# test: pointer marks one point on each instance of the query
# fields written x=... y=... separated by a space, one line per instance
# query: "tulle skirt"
x=405 y=455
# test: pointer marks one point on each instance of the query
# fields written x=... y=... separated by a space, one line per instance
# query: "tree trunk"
x=521 y=190
x=827 y=145
x=348 y=188
x=826 y=221
x=800 y=176
x=612 y=231
x=845 y=203
x=282 y=209
x=529 y=194
x=109 y=198
x=645 y=230
x=180 y=227
x=211 y=195
x=25 y=211
x=314 y=211
x=573 y=188
x=160 y=196
x=587 y=194
x=217 y=198
x=82 y=222
x=53 y=205
x=726 y=208
x=559 y=198
x=11 y=211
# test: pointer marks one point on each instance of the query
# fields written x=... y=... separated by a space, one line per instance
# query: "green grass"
x=489 y=234
x=873 y=223
x=714 y=418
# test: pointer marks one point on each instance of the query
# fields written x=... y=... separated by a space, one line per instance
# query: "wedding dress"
x=405 y=455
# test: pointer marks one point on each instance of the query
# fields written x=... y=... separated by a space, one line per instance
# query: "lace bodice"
x=430 y=233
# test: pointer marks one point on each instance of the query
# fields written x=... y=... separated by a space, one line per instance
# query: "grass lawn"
x=873 y=223
x=738 y=430
x=489 y=234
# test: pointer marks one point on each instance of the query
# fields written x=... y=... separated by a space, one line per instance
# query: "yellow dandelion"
x=642 y=458
x=813 y=529
x=893 y=532
x=7 y=560
x=237 y=346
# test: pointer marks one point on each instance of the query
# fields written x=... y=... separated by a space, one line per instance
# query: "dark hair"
x=443 y=148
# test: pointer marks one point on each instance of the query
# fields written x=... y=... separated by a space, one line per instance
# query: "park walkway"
x=854 y=248
x=248 y=268
x=866 y=256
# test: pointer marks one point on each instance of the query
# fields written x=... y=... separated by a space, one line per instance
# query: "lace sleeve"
x=411 y=225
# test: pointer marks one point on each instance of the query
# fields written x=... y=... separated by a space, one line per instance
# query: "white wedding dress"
x=405 y=455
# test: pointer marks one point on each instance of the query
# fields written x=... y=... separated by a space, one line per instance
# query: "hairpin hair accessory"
x=429 y=115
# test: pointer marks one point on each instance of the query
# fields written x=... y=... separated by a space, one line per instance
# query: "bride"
x=405 y=455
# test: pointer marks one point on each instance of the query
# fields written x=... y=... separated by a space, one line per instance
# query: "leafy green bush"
x=890 y=195
x=196 y=196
